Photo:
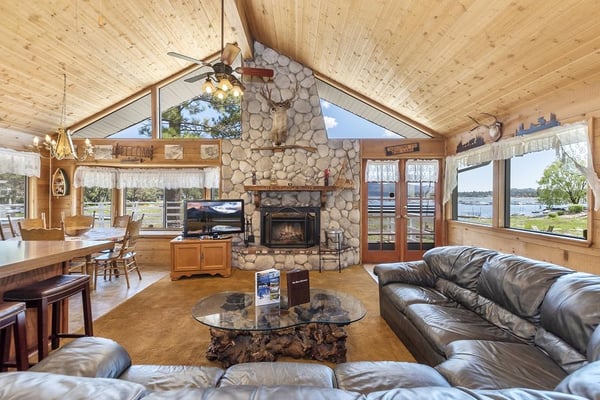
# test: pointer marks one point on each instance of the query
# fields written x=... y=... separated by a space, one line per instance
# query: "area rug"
x=156 y=326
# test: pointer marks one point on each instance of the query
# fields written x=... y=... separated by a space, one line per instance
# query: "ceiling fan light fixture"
x=237 y=91
x=225 y=84
x=220 y=94
x=208 y=87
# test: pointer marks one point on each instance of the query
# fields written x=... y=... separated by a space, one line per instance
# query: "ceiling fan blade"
x=197 y=77
x=264 y=72
x=190 y=59
x=229 y=53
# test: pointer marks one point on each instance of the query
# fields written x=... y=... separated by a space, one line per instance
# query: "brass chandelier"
x=62 y=147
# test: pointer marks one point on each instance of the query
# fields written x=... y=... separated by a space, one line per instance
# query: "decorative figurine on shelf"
x=254 y=178
x=326 y=180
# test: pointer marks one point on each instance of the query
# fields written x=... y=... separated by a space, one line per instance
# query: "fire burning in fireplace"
x=290 y=226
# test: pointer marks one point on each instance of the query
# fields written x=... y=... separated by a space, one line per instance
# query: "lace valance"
x=381 y=171
x=19 y=162
x=570 y=141
x=162 y=178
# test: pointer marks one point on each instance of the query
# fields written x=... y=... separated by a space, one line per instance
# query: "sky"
x=342 y=124
x=526 y=171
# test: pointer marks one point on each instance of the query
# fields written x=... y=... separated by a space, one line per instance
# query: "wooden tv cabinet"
x=192 y=256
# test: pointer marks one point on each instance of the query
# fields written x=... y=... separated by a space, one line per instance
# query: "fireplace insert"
x=290 y=226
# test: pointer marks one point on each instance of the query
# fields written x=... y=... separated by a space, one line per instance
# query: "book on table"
x=298 y=287
x=267 y=288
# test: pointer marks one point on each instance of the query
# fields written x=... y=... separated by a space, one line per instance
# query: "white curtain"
x=381 y=171
x=422 y=170
x=570 y=140
x=147 y=178
x=95 y=177
x=19 y=162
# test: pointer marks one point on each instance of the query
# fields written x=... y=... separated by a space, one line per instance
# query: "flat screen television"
x=213 y=217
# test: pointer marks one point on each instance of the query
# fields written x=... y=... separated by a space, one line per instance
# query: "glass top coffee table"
x=243 y=332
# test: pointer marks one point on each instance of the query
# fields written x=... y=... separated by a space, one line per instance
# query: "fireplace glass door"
x=290 y=226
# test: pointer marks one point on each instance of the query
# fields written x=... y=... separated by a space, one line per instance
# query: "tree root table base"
x=318 y=341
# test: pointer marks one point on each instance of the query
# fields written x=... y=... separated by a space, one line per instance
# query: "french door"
x=401 y=209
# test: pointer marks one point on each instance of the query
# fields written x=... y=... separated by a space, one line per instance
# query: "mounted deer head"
x=494 y=129
x=278 y=112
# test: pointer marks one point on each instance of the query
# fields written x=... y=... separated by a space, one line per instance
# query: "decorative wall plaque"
x=173 y=152
x=60 y=184
x=209 y=151
x=401 y=149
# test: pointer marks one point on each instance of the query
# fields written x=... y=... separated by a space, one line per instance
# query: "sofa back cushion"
x=459 y=264
x=518 y=284
x=570 y=309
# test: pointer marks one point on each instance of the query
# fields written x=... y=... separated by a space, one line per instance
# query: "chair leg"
x=56 y=322
x=5 y=348
x=20 y=339
x=42 y=328
x=126 y=273
x=87 y=311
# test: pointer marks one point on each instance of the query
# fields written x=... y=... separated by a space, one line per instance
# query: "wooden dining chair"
x=76 y=265
x=14 y=229
x=29 y=223
x=77 y=224
x=123 y=258
x=121 y=221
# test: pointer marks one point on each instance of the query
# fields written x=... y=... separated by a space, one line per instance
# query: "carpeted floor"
x=156 y=326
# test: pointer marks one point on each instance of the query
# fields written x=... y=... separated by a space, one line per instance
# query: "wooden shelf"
x=258 y=189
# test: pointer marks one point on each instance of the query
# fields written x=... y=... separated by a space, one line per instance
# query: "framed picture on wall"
x=103 y=152
x=209 y=151
x=173 y=152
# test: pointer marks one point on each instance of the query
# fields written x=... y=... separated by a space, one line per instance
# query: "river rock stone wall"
x=294 y=166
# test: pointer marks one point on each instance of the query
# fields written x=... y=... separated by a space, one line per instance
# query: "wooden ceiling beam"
x=236 y=16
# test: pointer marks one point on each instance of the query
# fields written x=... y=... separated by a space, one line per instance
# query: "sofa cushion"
x=488 y=310
x=257 y=393
x=442 y=325
x=168 y=377
x=42 y=385
x=459 y=264
x=593 y=350
x=584 y=382
x=560 y=351
x=278 y=373
x=479 y=364
x=414 y=272
x=570 y=309
x=403 y=295
x=87 y=356
x=437 y=393
x=373 y=376
x=518 y=284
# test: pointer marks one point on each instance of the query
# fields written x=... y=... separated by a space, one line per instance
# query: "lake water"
x=481 y=207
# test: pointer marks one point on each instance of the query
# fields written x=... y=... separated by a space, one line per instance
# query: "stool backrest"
x=43 y=234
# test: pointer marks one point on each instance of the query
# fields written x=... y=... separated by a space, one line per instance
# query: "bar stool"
x=13 y=315
x=53 y=291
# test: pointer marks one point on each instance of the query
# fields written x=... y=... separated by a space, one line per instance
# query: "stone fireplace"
x=290 y=227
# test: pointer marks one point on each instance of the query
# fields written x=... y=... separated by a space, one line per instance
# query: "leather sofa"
x=488 y=320
x=99 y=368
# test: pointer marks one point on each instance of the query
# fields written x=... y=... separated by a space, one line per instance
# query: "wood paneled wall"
x=582 y=104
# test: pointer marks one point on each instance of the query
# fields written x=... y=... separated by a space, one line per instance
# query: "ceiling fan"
x=221 y=79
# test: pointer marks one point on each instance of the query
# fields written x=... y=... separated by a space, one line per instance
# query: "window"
x=550 y=197
x=132 y=121
x=473 y=202
x=98 y=200
x=186 y=113
x=162 y=208
x=12 y=196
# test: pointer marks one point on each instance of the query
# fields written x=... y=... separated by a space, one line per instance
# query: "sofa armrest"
x=414 y=273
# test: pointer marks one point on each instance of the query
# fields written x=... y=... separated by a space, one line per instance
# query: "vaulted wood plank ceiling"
x=431 y=62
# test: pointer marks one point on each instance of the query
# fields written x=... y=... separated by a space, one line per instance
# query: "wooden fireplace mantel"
x=258 y=189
